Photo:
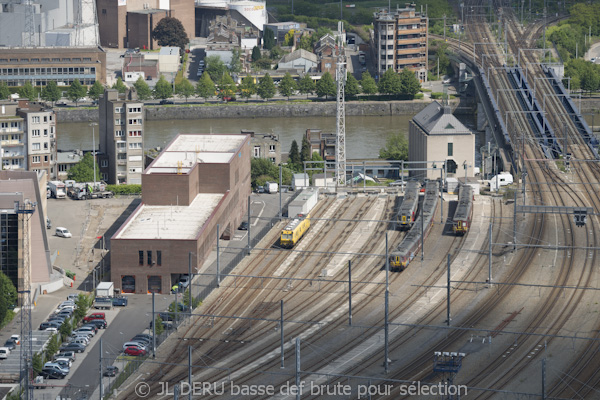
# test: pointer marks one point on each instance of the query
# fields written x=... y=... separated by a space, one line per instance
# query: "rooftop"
x=185 y=151
x=170 y=222
x=169 y=51
x=436 y=119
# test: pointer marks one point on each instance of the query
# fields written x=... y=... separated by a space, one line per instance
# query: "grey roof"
x=67 y=157
x=300 y=53
x=436 y=119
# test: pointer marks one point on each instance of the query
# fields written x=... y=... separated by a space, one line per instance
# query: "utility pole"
x=448 y=293
x=387 y=305
x=101 y=387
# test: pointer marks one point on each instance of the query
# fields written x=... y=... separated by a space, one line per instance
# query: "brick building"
x=197 y=182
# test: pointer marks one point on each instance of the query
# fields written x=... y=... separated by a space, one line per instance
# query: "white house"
x=299 y=60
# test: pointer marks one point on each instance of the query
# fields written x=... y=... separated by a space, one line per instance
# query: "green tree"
x=442 y=60
x=96 y=90
x=589 y=80
x=396 y=147
x=409 y=83
x=306 y=43
x=247 y=87
x=186 y=300
x=83 y=171
x=170 y=32
x=4 y=91
x=163 y=89
x=52 y=346
x=390 y=83
x=294 y=155
x=326 y=86
x=185 y=89
x=28 y=91
x=227 y=87
x=256 y=54
x=368 y=84
x=262 y=170
x=143 y=90
x=119 y=85
x=287 y=86
x=236 y=63
x=205 y=87
x=288 y=39
x=306 y=85
x=158 y=323
x=37 y=362
x=266 y=88
x=51 y=92
x=76 y=91
x=66 y=328
x=306 y=152
x=263 y=63
x=82 y=305
x=268 y=39
x=352 y=88
x=215 y=67
x=276 y=53
x=8 y=297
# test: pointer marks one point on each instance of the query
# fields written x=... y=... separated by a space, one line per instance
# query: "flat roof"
x=171 y=222
x=185 y=151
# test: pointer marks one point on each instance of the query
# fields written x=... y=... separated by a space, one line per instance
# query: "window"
x=135 y=109
x=35 y=159
x=135 y=121
x=135 y=133
x=45 y=158
x=45 y=132
x=158 y=257
x=121 y=156
x=118 y=110
x=149 y=257
x=135 y=145
x=35 y=120
x=104 y=163
x=117 y=121
x=104 y=11
x=119 y=133
x=35 y=133
x=45 y=145
x=104 y=176
x=63 y=168
x=271 y=148
x=450 y=149
x=121 y=145
x=35 y=146
x=141 y=257
x=256 y=151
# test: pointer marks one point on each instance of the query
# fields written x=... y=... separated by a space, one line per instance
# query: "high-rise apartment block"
x=400 y=40
x=121 y=137
x=28 y=137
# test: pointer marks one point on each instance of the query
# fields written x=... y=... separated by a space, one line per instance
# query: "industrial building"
x=28 y=137
x=251 y=13
x=400 y=40
x=121 y=137
x=26 y=188
x=196 y=183
x=435 y=135
x=40 y=65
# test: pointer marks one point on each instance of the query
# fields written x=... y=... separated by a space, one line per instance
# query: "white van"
x=4 y=352
x=63 y=232
x=500 y=180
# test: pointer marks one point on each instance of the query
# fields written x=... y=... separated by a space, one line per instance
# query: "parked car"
x=143 y=341
x=93 y=326
x=52 y=373
x=243 y=226
x=73 y=297
x=63 y=232
x=111 y=370
x=63 y=362
x=51 y=365
x=4 y=352
x=119 y=301
x=76 y=347
x=66 y=354
x=85 y=329
x=184 y=281
x=143 y=335
x=134 y=344
x=134 y=351
x=10 y=344
x=51 y=329
x=162 y=102
x=96 y=315
x=100 y=323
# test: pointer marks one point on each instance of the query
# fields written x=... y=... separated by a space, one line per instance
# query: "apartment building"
x=121 y=139
x=400 y=40
x=28 y=137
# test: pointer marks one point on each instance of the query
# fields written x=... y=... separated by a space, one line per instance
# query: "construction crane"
x=340 y=76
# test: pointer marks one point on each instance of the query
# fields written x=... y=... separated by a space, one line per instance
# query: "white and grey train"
x=464 y=211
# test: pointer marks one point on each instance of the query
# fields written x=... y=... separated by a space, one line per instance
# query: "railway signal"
x=580 y=216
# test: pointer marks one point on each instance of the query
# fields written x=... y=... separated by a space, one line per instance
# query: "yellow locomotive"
x=294 y=230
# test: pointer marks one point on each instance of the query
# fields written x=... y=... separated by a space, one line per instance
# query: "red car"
x=135 y=351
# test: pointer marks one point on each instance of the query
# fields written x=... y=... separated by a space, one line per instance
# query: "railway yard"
x=533 y=331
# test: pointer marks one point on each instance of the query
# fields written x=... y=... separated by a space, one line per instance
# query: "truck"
x=57 y=189
x=105 y=289
x=271 y=187
x=87 y=190
x=103 y=303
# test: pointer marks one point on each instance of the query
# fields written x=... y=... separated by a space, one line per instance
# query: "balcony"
x=11 y=143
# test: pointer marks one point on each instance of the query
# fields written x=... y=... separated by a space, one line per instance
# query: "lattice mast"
x=29 y=39
x=340 y=148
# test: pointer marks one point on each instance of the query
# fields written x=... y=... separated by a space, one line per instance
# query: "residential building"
x=27 y=188
x=137 y=64
x=40 y=65
x=28 y=137
x=168 y=59
x=322 y=143
x=400 y=41
x=436 y=136
x=197 y=185
x=65 y=161
x=125 y=24
x=121 y=137
x=298 y=61
x=281 y=28
x=265 y=146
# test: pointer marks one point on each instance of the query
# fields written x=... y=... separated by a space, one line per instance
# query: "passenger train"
x=294 y=230
x=464 y=211
x=411 y=243
x=408 y=209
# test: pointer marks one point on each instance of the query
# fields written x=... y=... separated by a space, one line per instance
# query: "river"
x=364 y=135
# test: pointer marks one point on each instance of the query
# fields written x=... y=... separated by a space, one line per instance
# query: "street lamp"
x=93 y=124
